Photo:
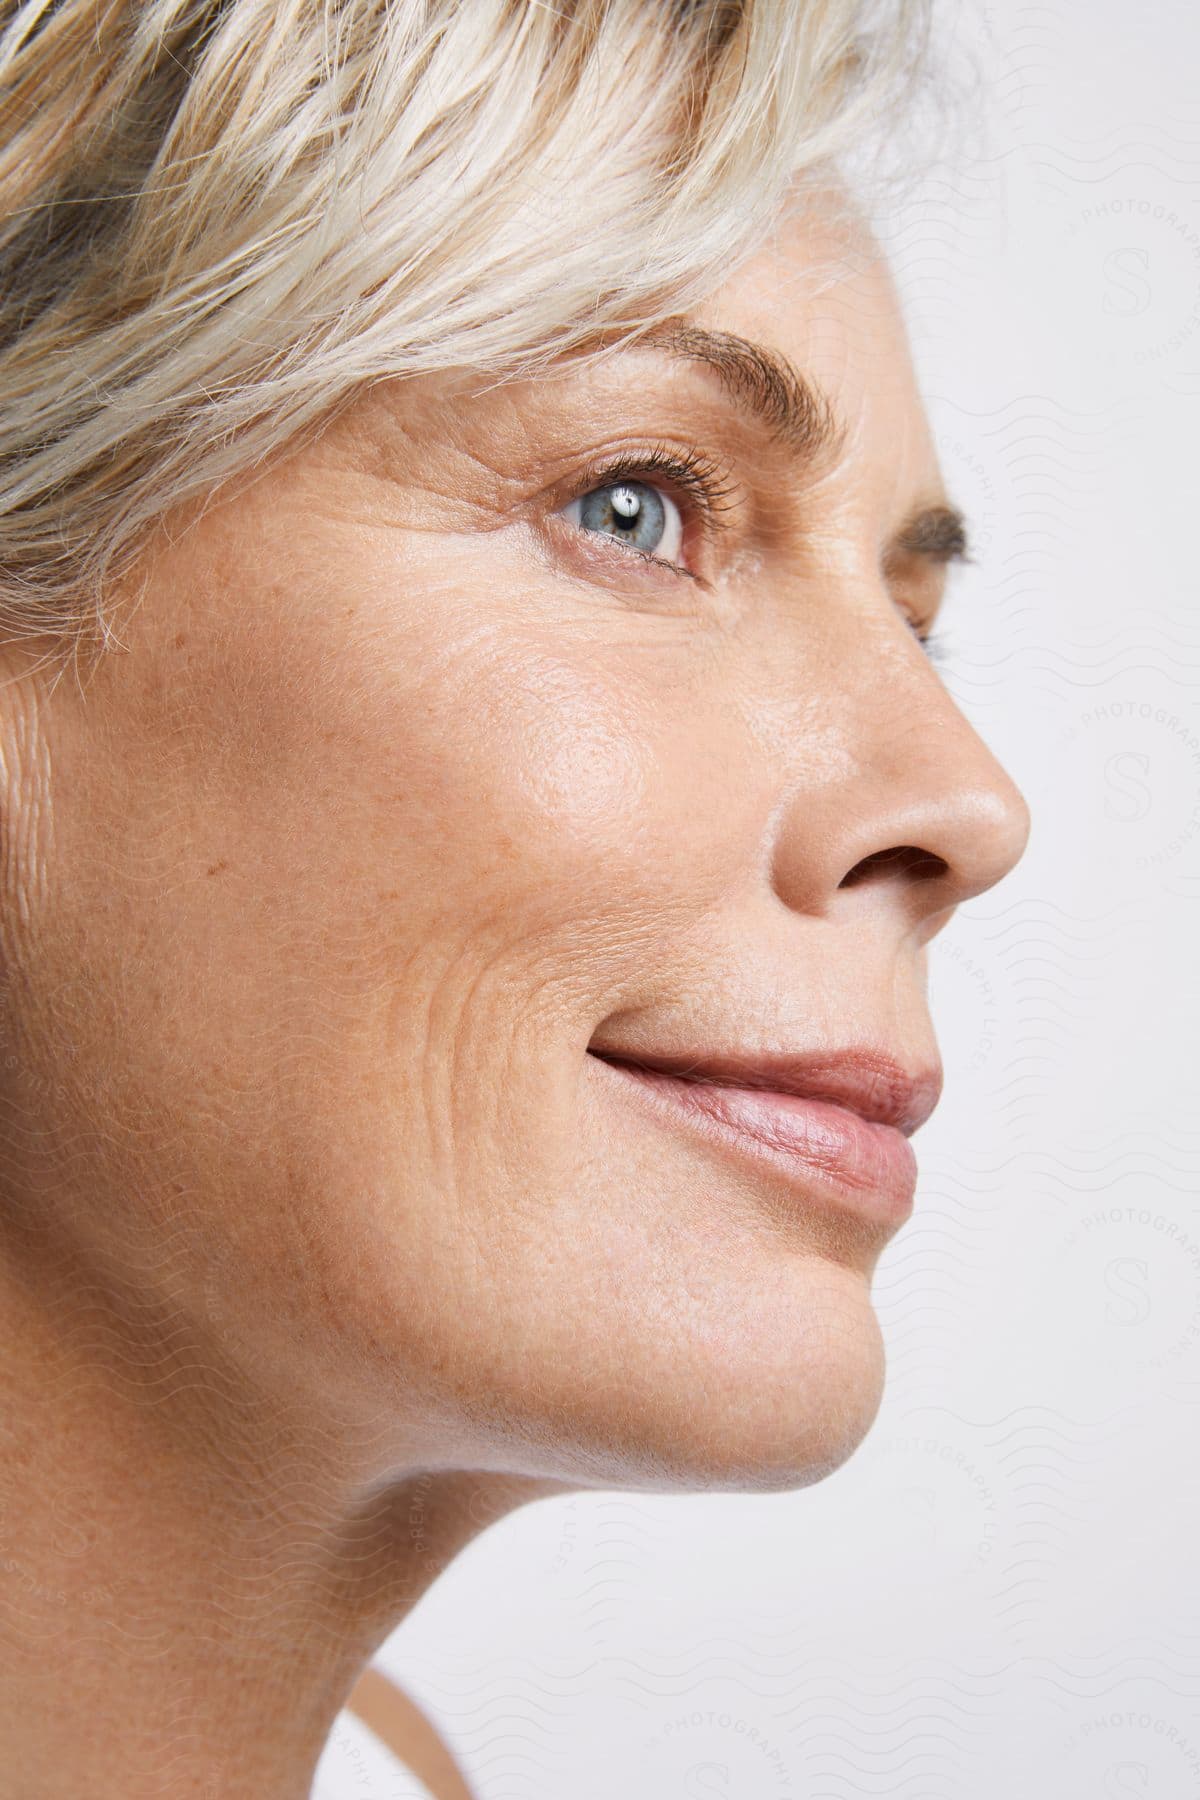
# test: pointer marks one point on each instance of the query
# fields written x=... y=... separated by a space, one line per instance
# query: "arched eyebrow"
x=800 y=415
x=762 y=381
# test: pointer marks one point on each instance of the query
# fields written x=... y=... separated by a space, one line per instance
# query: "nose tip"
x=1012 y=825
x=933 y=820
x=981 y=836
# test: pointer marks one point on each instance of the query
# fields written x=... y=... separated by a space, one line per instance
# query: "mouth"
x=822 y=1148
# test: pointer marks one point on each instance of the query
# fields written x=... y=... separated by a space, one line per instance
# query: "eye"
x=633 y=512
x=934 y=643
x=618 y=498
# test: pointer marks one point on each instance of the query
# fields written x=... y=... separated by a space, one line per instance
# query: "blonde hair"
x=220 y=218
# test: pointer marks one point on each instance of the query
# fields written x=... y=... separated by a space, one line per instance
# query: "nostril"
x=902 y=859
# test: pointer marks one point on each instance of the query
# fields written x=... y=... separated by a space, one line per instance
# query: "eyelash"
x=712 y=491
x=935 y=644
x=706 y=483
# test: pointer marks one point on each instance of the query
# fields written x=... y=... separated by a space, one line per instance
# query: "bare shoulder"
x=399 y=1723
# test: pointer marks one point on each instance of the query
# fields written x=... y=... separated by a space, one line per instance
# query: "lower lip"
x=825 y=1150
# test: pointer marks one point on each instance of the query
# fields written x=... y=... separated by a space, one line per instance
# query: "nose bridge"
x=913 y=800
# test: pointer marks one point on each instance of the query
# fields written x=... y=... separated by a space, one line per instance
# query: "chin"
x=733 y=1409
x=789 y=1428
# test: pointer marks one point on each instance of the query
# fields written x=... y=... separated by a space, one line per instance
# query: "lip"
x=825 y=1145
x=867 y=1082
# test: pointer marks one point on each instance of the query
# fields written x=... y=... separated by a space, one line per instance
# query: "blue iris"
x=629 y=510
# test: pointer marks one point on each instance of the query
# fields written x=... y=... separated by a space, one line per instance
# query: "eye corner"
x=933 y=639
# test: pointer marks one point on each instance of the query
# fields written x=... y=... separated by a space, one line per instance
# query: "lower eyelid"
x=624 y=560
x=689 y=514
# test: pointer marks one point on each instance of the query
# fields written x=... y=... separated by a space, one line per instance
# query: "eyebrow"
x=762 y=381
x=800 y=415
x=937 y=534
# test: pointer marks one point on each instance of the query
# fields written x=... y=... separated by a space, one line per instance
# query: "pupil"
x=626 y=510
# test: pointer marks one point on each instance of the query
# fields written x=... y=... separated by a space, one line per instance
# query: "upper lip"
x=868 y=1082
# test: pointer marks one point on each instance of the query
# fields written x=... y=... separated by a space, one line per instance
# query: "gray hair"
x=220 y=218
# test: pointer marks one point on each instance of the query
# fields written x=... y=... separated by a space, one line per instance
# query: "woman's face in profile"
x=492 y=731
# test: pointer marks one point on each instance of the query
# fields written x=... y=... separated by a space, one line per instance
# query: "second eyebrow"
x=938 y=533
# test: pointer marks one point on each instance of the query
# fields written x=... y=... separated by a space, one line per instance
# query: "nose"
x=909 y=809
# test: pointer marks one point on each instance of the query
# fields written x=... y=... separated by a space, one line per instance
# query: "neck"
x=191 y=1580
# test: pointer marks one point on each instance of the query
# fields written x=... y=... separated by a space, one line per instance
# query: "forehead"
x=821 y=292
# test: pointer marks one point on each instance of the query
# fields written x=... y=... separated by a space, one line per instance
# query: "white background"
x=999 y=1595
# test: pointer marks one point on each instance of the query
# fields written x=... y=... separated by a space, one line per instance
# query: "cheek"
x=542 y=769
x=486 y=774
x=571 y=758
x=433 y=732
x=385 y=867
x=383 y=871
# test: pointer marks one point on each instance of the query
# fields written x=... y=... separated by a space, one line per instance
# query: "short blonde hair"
x=220 y=218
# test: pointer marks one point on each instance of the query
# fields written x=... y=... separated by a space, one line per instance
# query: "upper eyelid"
x=711 y=485
x=703 y=486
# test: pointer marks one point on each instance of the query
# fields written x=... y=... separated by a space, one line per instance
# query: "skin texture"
x=325 y=1242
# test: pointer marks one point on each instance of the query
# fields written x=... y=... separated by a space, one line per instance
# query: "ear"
x=28 y=673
